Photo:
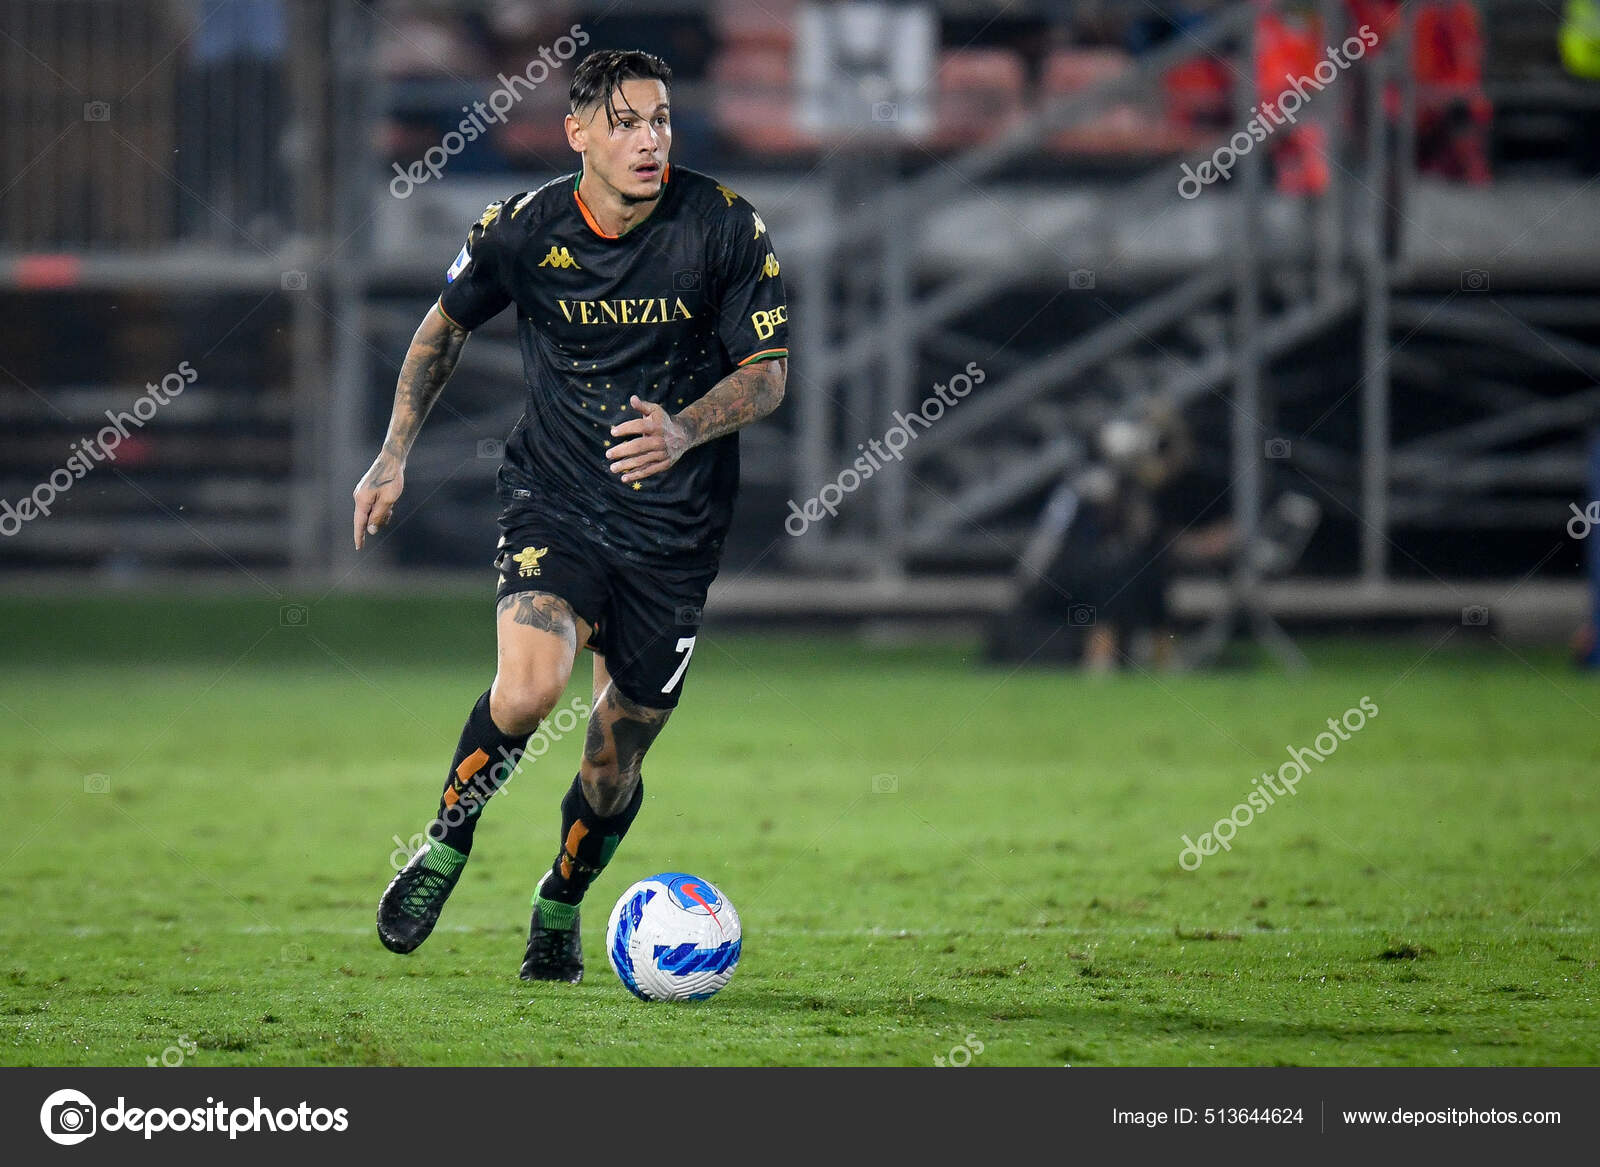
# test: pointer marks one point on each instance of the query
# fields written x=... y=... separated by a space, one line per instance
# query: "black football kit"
x=663 y=311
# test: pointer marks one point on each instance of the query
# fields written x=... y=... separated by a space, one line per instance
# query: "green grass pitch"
x=927 y=853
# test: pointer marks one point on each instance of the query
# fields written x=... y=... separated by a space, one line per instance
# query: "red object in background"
x=767 y=25
x=134 y=450
x=1448 y=47
x=1127 y=128
x=980 y=95
x=1382 y=16
x=1299 y=152
x=1302 y=161
x=1282 y=52
x=1453 y=112
x=758 y=107
x=46 y=271
x=1198 y=95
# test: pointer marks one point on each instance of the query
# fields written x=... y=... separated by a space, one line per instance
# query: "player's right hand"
x=376 y=494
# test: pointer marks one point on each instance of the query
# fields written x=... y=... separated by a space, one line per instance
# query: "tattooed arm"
x=434 y=351
x=660 y=438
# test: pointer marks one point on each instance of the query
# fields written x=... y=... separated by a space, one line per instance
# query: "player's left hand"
x=658 y=441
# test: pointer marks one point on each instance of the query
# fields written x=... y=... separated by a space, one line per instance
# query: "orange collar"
x=666 y=177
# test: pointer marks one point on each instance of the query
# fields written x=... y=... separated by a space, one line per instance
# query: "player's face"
x=628 y=152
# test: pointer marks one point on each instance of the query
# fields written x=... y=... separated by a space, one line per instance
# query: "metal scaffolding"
x=899 y=263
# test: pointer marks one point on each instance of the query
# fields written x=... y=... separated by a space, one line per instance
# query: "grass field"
x=1429 y=896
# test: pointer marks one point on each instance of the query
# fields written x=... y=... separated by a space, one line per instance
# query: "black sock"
x=484 y=760
x=588 y=841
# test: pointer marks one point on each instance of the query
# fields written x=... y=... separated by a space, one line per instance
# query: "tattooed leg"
x=603 y=799
x=619 y=734
x=538 y=637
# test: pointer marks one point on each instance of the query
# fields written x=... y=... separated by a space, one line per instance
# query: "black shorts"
x=645 y=619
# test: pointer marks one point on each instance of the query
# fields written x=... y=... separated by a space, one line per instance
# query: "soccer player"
x=652 y=326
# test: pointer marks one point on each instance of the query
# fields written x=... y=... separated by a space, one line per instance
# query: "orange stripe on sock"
x=470 y=765
x=570 y=851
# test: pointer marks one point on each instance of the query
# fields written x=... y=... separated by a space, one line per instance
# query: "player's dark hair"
x=599 y=74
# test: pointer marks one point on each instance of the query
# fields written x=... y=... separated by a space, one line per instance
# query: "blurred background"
x=1273 y=316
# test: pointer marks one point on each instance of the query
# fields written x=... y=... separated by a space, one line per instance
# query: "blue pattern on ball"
x=626 y=923
x=683 y=959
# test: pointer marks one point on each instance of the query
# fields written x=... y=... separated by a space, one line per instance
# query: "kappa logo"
x=490 y=214
x=770 y=267
x=527 y=560
x=760 y=226
x=726 y=193
x=559 y=257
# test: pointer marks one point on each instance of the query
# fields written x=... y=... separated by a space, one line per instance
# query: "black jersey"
x=664 y=311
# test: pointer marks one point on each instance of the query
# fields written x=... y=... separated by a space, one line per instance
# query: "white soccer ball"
x=673 y=937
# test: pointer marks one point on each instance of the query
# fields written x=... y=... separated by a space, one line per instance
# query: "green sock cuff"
x=555 y=914
x=443 y=858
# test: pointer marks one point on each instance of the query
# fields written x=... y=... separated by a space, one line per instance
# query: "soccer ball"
x=673 y=937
